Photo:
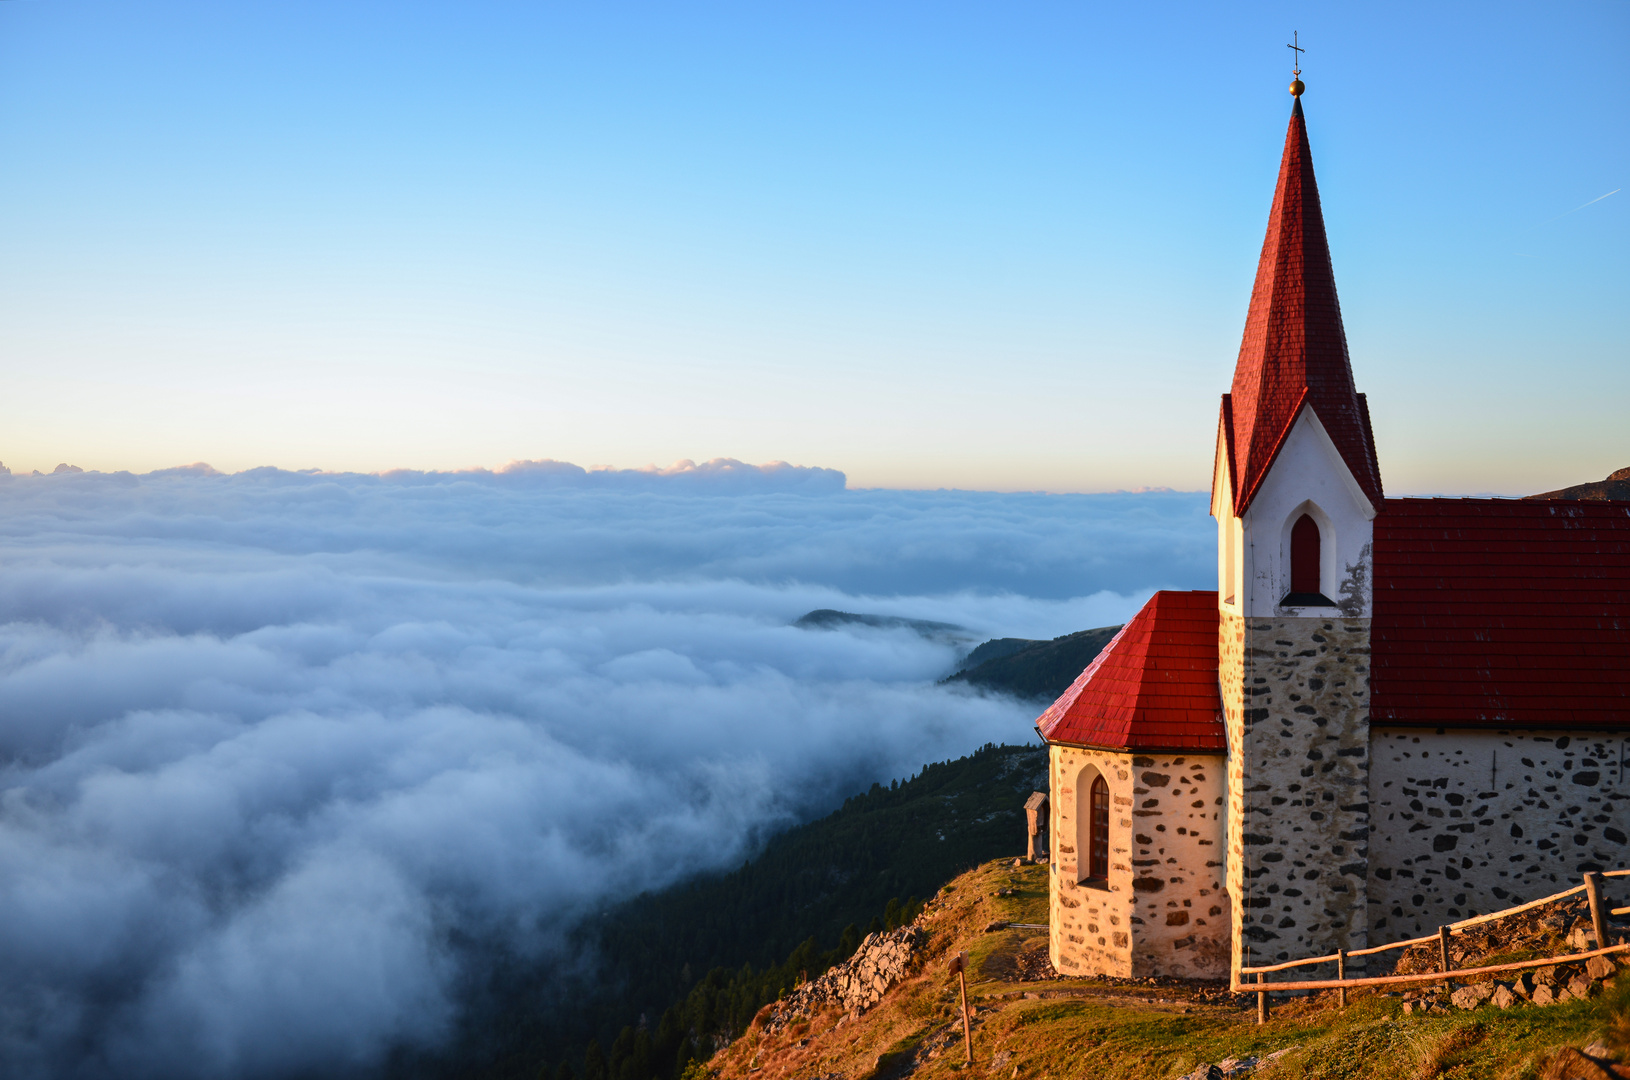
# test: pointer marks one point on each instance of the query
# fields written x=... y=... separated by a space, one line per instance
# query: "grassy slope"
x=1136 y=1030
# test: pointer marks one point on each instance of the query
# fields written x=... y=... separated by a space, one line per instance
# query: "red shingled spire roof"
x=1294 y=353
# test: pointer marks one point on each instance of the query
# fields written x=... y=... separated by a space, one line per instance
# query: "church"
x=1391 y=713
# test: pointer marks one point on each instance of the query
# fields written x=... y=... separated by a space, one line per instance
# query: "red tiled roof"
x=1153 y=687
x=1501 y=613
x=1294 y=351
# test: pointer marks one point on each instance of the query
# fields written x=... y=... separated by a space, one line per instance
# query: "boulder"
x=1583 y=939
x=1581 y=987
x=1543 y=994
x=1600 y=967
x=1470 y=997
x=1504 y=998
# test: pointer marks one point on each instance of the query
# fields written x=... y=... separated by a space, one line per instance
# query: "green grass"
x=1371 y=1040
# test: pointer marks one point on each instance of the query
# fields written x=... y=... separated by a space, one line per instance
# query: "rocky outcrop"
x=859 y=982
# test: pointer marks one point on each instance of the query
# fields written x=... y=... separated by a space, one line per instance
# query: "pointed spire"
x=1294 y=351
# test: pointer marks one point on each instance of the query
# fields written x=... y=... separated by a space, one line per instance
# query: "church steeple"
x=1294 y=352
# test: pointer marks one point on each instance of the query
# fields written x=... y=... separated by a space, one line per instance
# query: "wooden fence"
x=1592 y=888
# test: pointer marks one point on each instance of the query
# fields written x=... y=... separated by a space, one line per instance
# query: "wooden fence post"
x=1261 y=1001
x=1443 y=953
x=958 y=966
x=1341 y=973
x=1598 y=918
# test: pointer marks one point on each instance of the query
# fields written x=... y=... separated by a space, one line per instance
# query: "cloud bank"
x=274 y=743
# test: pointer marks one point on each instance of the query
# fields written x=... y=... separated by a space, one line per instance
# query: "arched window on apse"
x=1305 y=559
x=1098 y=831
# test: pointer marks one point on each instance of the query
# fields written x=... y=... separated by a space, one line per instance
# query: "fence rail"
x=1598 y=911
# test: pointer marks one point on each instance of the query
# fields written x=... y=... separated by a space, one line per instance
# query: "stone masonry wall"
x=1091 y=928
x=1467 y=822
x=1296 y=708
x=1165 y=911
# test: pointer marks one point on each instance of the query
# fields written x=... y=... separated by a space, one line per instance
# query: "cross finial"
x=1296 y=86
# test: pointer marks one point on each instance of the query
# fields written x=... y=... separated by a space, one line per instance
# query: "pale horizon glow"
x=928 y=246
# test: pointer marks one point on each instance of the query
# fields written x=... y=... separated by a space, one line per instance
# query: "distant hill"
x=1040 y=670
x=1616 y=488
x=828 y=619
x=996 y=648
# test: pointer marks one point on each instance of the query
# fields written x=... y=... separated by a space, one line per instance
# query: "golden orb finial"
x=1296 y=88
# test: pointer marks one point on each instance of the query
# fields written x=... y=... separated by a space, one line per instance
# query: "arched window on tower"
x=1305 y=560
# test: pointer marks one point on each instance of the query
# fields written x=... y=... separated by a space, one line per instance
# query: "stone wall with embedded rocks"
x=1467 y=822
x=1163 y=911
x=1296 y=710
x=859 y=982
x=1090 y=928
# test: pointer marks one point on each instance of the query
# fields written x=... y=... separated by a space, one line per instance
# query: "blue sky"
x=1004 y=247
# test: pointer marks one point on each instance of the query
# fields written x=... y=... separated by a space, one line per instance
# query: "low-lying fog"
x=271 y=743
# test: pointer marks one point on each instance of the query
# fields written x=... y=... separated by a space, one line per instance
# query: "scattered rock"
x=1582 y=939
x=1581 y=987
x=1600 y=967
x=1470 y=997
x=1232 y=1067
x=1503 y=997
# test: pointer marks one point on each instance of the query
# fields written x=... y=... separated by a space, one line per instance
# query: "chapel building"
x=1392 y=713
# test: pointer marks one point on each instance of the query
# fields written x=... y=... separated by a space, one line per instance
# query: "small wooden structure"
x=1035 y=809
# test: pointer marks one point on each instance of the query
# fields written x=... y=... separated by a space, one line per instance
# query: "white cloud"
x=269 y=737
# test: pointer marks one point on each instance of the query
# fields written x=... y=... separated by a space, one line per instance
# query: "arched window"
x=1098 y=841
x=1305 y=558
x=1304 y=555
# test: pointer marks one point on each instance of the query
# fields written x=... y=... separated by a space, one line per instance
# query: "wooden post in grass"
x=1341 y=973
x=959 y=967
x=1261 y=1001
x=1598 y=918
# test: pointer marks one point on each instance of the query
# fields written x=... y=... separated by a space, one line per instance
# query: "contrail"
x=1581 y=206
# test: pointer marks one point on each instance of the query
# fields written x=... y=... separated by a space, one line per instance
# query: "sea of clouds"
x=272 y=744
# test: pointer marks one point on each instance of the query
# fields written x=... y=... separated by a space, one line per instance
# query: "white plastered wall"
x=1309 y=476
x=1230 y=535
